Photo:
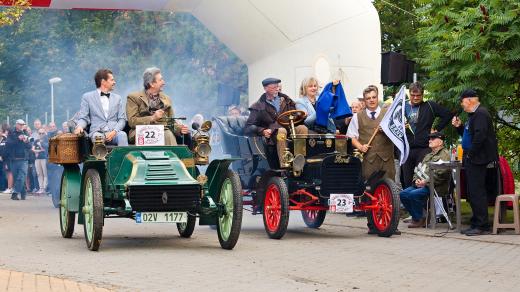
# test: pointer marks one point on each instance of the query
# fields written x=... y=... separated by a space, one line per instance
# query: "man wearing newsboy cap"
x=262 y=120
x=17 y=149
x=414 y=197
x=479 y=144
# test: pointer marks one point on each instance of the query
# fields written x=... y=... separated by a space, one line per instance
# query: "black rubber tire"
x=236 y=224
x=316 y=222
x=186 y=229
x=97 y=209
x=67 y=228
x=394 y=218
x=279 y=232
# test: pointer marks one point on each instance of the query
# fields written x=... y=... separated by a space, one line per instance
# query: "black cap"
x=437 y=135
x=468 y=93
x=268 y=81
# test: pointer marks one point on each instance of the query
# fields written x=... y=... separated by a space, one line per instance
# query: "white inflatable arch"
x=287 y=39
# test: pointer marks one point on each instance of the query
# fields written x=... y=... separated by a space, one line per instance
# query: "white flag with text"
x=393 y=124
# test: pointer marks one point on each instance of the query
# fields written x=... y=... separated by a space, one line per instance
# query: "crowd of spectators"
x=24 y=167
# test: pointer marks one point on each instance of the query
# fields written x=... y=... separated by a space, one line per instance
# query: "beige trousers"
x=41 y=171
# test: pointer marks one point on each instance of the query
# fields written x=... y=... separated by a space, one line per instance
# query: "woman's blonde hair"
x=305 y=83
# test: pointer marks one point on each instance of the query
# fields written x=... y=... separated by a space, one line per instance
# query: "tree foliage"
x=10 y=15
x=475 y=44
x=399 y=26
x=73 y=45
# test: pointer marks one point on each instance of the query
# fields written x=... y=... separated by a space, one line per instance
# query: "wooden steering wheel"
x=296 y=116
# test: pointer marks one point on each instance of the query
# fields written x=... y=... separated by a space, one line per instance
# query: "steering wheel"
x=297 y=116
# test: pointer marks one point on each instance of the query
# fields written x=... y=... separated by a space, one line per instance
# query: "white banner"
x=393 y=124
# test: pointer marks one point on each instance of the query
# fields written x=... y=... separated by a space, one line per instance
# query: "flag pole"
x=373 y=136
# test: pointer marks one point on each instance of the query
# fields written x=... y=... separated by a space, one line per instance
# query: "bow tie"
x=105 y=94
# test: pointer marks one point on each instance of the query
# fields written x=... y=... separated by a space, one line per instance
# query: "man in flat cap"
x=262 y=120
x=17 y=148
x=414 y=197
x=479 y=143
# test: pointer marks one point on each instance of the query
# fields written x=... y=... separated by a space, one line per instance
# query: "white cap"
x=20 y=121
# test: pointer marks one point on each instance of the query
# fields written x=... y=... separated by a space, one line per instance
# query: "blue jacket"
x=332 y=105
x=304 y=104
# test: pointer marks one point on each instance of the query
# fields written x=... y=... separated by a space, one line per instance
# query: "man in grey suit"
x=103 y=110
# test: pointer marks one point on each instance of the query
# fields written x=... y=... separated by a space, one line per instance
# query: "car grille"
x=340 y=178
x=160 y=171
x=162 y=198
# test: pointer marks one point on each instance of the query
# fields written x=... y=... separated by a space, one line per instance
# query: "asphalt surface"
x=137 y=257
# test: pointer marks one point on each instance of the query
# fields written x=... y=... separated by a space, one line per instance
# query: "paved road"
x=334 y=258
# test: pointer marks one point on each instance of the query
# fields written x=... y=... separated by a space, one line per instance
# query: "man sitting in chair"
x=264 y=112
x=103 y=111
x=414 y=197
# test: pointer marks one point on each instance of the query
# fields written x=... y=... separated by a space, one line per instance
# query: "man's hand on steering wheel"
x=284 y=118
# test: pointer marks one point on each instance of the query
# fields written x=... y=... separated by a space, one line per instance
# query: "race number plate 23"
x=341 y=203
x=161 y=217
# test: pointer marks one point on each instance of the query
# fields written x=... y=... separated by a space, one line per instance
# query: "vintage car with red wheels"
x=318 y=174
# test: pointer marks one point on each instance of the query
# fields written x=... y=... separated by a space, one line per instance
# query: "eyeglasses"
x=41 y=133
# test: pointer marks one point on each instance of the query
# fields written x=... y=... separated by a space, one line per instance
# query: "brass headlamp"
x=99 y=150
x=201 y=148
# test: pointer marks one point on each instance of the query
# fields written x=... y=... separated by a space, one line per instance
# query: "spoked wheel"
x=186 y=229
x=276 y=208
x=93 y=209
x=314 y=219
x=385 y=218
x=229 y=224
x=67 y=219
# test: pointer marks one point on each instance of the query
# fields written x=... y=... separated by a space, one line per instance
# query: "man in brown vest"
x=379 y=155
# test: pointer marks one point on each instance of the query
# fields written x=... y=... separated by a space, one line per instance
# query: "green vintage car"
x=148 y=184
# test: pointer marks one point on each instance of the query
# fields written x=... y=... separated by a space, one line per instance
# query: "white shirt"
x=105 y=103
x=353 y=127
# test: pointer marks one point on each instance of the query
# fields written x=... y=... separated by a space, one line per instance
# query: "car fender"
x=72 y=174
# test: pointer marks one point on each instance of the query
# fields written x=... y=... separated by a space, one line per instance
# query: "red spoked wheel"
x=384 y=218
x=276 y=208
x=313 y=218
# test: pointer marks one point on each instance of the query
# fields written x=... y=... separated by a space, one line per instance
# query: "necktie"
x=373 y=114
x=105 y=94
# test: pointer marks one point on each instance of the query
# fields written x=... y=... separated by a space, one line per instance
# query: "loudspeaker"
x=410 y=69
x=393 y=68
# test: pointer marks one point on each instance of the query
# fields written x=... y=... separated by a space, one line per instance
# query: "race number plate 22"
x=161 y=217
x=341 y=203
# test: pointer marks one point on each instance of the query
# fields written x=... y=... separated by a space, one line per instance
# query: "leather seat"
x=234 y=142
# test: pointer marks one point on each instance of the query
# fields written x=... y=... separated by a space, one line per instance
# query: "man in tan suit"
x=148 y=107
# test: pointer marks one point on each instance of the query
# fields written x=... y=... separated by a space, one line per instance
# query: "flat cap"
x=468 y=93
x=268 y=81
x=20 y=121
x=437 y=135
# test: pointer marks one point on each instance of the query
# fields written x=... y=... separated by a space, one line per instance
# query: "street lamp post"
x=52 y=81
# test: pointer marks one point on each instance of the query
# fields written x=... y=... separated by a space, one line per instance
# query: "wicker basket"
x=64 y=149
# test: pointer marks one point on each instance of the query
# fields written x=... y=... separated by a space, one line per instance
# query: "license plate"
x=341 y=203
x=161 y=217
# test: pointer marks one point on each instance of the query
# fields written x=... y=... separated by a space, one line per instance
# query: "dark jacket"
x=484 y=147
x=15 y=148
x=263 y=115
x=428 y=111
